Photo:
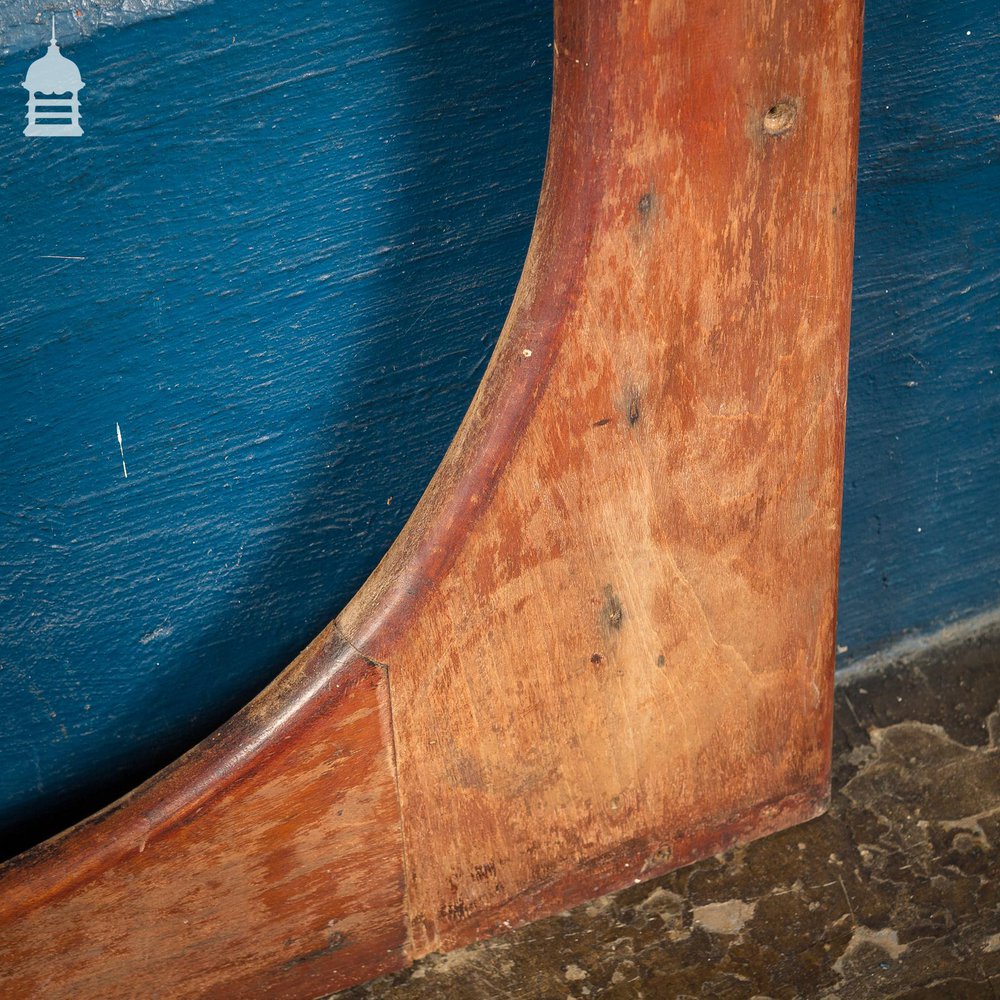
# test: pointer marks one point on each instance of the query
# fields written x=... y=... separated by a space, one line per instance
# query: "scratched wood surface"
x=603 y=645
x=892 y=893
x=610 y=623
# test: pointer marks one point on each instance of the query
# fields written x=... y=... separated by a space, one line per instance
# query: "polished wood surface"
x=602 y=646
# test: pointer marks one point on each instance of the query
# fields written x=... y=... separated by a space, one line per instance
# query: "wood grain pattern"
x=311 y=310
x=603 y=645
x=626 y=663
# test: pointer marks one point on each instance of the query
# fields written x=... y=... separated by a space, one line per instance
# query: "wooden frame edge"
x=602 y=646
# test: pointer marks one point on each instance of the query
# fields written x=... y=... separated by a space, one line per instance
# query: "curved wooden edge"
x=266 y=860
x=232 y=754
x=602 y=645
x=577 y=167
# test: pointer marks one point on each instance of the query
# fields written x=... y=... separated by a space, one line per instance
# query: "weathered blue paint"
x=921 y=537
x=302 y=224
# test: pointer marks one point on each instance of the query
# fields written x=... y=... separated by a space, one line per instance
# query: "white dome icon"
x=53 y=74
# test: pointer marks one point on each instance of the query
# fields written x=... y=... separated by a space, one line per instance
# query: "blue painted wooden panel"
x=921 y=537
x=301 y=225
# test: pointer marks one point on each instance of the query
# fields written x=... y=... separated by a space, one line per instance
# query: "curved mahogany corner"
x=602 y=645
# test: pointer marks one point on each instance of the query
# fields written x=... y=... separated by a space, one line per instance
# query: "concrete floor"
x=894 y=893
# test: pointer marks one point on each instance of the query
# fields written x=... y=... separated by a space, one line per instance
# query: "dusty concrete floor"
x=895 y=893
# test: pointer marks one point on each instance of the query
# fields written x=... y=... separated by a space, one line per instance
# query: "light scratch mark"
x=854 y=919
x=121 y=447
x=55 y=256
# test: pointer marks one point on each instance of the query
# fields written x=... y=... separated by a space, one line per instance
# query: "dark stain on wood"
x=612 y=611
x=633 y=412
x=336 y=941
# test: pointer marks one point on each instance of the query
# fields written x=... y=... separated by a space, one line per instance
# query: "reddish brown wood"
x=610 y=626
x=265 y=862
x=607 y=629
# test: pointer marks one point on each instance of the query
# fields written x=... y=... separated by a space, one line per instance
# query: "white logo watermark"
x=48 y=82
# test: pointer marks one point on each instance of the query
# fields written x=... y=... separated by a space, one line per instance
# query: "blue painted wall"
x=921 y=535
x=302 y=224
